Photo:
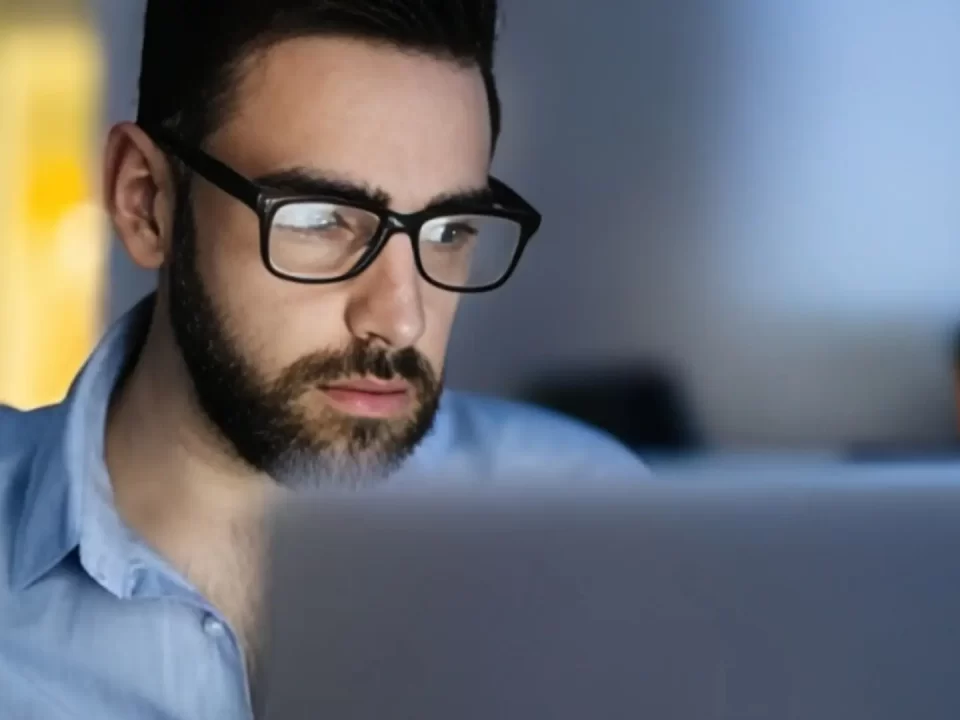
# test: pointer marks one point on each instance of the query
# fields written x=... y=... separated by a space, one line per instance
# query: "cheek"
x=228 y=246
x=296 y=321
x=228 y=256
x=274 y=322
x=440 y=309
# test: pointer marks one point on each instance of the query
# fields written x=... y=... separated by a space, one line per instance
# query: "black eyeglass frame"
x=266 y=202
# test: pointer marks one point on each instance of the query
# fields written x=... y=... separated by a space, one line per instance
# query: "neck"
x=174 y=479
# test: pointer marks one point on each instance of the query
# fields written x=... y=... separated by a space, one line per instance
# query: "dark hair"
x=192 y=49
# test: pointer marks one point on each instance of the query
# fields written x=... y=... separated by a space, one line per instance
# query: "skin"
x=410 y=126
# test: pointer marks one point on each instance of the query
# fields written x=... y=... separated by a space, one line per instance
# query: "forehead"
x=412 y=125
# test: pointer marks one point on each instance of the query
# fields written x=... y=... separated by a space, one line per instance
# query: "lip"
x=370 y=398
x=370 y=385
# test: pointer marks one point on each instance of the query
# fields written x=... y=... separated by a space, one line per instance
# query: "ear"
x=139 y=194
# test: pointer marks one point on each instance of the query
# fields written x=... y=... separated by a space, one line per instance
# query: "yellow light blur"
x=53 y=236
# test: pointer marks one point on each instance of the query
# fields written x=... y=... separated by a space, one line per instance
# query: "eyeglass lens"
x=324 y=241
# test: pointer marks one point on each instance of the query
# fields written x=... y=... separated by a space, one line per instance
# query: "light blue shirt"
x=96 y=626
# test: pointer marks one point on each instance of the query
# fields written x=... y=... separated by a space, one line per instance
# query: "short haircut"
x=193 y=49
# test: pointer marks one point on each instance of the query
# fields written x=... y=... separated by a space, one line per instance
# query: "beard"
x=265 y=421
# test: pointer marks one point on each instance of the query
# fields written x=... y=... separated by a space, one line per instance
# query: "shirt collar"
x=69 y=500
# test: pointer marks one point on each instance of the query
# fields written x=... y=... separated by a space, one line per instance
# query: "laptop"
x=832 y=595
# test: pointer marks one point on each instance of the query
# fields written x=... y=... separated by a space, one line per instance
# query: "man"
x=310 y=178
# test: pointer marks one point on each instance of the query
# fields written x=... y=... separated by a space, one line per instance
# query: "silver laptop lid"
x=798 y=598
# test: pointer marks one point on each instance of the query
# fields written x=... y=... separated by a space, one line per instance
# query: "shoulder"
x=22 y=429
x=517 y=437
x=15 y=437
x=21 y=435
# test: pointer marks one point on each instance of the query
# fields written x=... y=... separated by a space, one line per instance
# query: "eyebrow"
x=304 y=181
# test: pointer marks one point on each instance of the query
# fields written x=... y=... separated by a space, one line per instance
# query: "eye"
x=316 y=221
x=329 y=221
x=452 y=233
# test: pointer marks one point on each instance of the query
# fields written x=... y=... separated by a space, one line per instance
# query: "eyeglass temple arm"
x=208 y=167
x=248 y=192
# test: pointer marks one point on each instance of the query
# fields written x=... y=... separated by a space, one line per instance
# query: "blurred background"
x=751 y=236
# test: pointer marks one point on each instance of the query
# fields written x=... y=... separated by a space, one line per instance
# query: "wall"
x=122 y=22
x=760 y=194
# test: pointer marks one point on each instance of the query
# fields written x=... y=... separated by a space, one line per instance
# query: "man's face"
x=339 y=382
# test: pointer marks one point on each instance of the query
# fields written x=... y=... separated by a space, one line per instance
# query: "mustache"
x=359 y=360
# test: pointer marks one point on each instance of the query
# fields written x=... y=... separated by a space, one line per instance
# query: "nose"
x=386 y=304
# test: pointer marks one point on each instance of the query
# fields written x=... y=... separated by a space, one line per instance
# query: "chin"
x=310 y=471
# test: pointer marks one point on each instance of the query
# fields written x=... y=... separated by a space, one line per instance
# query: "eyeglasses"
x=466 y=245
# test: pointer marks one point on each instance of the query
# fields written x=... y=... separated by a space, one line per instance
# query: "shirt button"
x=136 y=581
x=212 y=626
